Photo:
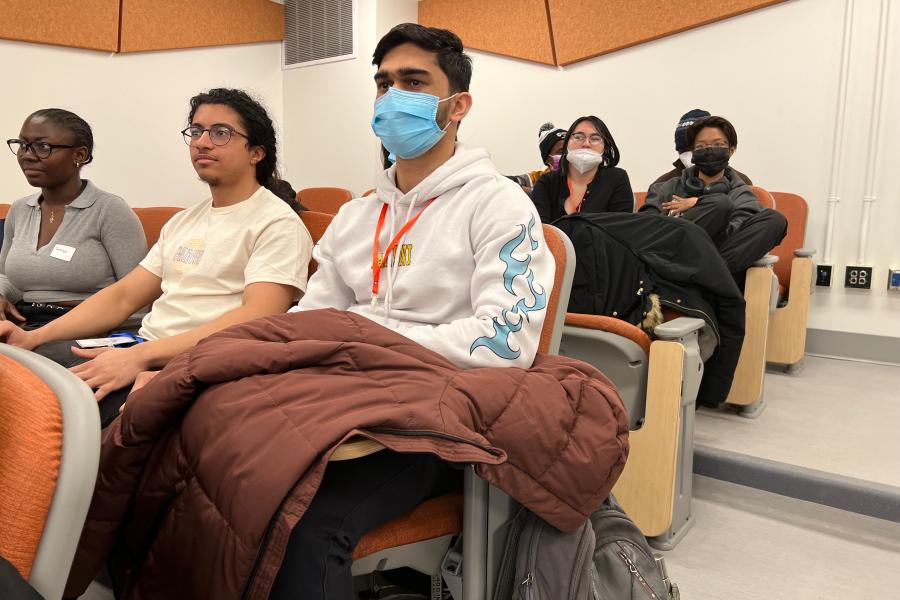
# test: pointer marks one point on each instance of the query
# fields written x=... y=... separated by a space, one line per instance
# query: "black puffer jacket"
x=623 y=258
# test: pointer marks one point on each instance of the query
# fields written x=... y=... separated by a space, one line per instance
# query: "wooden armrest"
x=358 y=447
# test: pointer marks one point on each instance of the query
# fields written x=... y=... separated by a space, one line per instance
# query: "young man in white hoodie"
x=463 y=270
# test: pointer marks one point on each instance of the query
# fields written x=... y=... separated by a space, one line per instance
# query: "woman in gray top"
x=71 y=239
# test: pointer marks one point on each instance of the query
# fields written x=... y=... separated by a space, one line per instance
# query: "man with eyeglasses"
x=714 y=196
x=684 y=151
x=240 y=255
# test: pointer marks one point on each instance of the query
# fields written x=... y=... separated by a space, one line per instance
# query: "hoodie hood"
x=464 y=167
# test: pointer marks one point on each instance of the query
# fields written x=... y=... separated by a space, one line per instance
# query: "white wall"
x=328 y=108
x=773 y=72
x=136 y=105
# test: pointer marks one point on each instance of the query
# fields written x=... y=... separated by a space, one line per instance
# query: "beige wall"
x=328 y=108
x=136 y=105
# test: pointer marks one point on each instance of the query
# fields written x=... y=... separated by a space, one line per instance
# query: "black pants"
x=61 y=353
x=355 y=497
x=755 y=238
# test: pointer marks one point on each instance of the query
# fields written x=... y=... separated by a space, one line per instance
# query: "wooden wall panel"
x=91 y=24
x=587 y=28
x=168 y=24
x=517 y=28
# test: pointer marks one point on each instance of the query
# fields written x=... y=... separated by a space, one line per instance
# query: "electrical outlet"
x=858 y=278
x=894 y=279
x=823 y=275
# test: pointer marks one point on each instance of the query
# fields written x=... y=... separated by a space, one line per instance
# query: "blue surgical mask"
x=405 y=122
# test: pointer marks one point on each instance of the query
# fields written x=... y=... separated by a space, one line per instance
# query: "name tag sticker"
x=63 y=252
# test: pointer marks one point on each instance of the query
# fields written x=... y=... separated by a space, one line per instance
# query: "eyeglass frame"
x=25 y=147
x=719 y=145
x=587 y=138
x=208 y=131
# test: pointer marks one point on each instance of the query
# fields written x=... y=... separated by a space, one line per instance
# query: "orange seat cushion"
x=612 y=325
x=316 y=223
x=4 y=210
x=152 y=220
x=796 y=211
x=433 y=518
x=557 y=248
x=763 y=196
x=324 y=199
x=30 y=452
x=639 y=199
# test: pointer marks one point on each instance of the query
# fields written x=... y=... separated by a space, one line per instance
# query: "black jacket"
x=731 y=189
x=622 y=258
x=610 y=191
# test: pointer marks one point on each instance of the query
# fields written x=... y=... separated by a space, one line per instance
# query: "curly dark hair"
x=260 y=132
x=78 y=127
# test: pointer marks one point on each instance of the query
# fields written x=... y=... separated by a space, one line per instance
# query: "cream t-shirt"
x=206 y=256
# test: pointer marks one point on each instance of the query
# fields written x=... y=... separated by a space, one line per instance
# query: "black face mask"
x=711 y=160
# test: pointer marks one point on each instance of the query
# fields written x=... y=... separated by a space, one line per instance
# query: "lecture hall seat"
x=658 y=380
x=49 y=455
x=760 y=295
x=760 y=291
x=326 y=200
x=787 y=327
x=421 y=538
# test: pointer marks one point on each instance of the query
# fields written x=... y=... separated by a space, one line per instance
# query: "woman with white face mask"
x=588 y=179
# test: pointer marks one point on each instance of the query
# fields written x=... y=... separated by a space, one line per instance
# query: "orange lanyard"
x=569 y=183
x=376 y=267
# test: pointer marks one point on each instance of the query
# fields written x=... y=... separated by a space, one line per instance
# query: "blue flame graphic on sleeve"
x=513 y=319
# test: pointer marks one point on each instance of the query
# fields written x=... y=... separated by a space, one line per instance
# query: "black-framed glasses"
x=40 y=149
x=219 y=135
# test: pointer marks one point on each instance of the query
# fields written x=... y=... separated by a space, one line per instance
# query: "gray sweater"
x=107 y=237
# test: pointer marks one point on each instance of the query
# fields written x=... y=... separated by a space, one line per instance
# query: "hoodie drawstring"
x=394 y=264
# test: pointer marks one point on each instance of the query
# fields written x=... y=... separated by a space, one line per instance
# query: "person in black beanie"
x=550 y=145
x=714 y=196
x=683 y=149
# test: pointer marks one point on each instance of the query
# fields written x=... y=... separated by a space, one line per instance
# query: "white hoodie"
x=470 y=280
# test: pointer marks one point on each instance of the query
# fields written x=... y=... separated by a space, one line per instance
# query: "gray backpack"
x=626 y=565
x=607 y=558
